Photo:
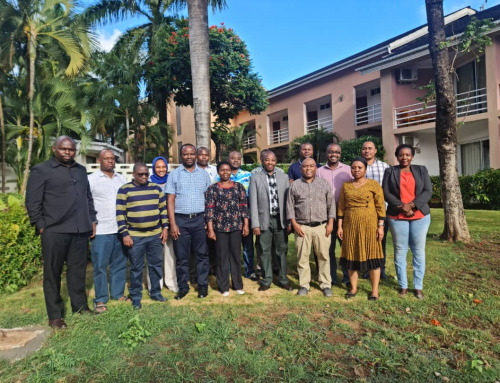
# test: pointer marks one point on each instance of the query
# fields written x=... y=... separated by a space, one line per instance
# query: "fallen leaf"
x=445 y=379
x=281 y=369
x=408 y=310
x=477 y=301
x=435 y=322
x=358 y=371
x=437 y=374
x=327 y=306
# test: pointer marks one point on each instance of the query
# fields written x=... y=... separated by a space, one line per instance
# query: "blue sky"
x=290 y=38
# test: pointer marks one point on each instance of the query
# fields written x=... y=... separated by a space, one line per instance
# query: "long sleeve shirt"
x=58 y=198
x=141 y=211
x=310 y=202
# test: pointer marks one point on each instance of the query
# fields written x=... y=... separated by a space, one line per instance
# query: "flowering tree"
x=233 y=85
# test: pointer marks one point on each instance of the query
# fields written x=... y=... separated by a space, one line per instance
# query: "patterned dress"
x=226 y=207
x=361 y=208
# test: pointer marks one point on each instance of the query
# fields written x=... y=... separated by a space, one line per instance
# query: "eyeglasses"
x=142 y=174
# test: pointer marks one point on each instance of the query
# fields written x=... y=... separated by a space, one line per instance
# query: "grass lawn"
x=453 y=334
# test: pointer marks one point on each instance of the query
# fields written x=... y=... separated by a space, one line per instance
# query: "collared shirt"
x=376 y=171
x=260 y=169
x=335 y=177
x=212 y=172
x=241 y=176
x=273 y=194
x=104 y=191
x=189 y=189
x=295 y=170
x=58 y=198
x=310 y=202
x=141 y=210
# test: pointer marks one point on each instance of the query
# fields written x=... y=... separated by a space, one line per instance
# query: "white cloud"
x=108 y=40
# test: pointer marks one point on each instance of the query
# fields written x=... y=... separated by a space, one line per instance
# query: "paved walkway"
x=16 y=343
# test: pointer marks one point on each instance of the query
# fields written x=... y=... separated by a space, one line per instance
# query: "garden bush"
x=20 y=248
x=479 y=191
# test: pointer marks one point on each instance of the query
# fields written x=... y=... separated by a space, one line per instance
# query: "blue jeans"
x=192 y=237
x=248 y=254
x=153 y=249
x=412 y=233
x=107 y=250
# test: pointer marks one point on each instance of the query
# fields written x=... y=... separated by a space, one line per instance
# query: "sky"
x=288 y=39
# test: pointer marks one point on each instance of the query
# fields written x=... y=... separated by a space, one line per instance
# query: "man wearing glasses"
x=335 y=173
x=141 y=213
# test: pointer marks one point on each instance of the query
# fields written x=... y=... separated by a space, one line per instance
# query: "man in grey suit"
x=268 y=190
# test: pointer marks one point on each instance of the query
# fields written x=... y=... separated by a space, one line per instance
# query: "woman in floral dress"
x=226 y=214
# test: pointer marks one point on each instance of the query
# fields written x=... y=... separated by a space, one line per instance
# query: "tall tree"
x=455 y=224
x=48 y=21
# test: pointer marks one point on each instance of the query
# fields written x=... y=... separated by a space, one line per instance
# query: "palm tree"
x=200 y=66
x=47 y=21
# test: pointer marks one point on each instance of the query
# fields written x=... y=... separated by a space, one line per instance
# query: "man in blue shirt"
x=294 y=171
x=186 y=188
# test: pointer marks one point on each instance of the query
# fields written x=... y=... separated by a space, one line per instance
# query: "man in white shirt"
x=107 y=247
x=202 y=160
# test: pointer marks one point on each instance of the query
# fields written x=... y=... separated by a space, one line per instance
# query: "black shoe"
x=384 y=276
x=159 y=298
x=181 y=294
x=263 y=288
x=202 y=293
x=85 y=311
x=285 y=286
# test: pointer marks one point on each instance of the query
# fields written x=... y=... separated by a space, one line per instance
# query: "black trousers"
x=57 y=249
x=228 y=260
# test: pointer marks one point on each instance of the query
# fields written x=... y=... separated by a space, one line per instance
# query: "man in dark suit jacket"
x=268 y=216
x=60 y=205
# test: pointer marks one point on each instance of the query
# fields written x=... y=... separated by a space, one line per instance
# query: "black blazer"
x=391 y=186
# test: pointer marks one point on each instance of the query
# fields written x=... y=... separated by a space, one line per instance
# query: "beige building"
x=375 y=92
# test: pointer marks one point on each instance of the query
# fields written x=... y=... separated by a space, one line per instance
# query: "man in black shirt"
x=60 y=205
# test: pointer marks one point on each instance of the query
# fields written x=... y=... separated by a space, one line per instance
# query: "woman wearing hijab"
x=159 y=176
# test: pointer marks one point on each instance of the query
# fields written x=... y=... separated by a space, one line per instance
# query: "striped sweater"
x=141 y=211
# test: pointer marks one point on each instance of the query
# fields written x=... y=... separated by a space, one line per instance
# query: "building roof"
x=410 y=43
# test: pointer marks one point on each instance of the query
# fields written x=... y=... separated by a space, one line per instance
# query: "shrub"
x=21 y=251
x=479 y=191
x=250 y=167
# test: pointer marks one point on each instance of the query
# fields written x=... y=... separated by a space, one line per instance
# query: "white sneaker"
x=225 y=294
x=240 y=292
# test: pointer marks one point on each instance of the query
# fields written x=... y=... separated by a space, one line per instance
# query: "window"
x=374 y=91
x=179 y=146
x=474 y=157
x=325 y=106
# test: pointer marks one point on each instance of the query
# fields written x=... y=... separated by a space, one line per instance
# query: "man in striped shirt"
x=141 y=213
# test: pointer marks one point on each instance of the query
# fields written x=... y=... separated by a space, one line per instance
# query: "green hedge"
x=20 y=249
x=480 y=191
x=250 y=167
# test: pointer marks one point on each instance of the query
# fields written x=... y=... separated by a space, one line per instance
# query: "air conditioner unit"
x=410 y=140
x=408 y=75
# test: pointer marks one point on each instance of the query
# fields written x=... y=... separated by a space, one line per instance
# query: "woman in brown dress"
x=361 y=215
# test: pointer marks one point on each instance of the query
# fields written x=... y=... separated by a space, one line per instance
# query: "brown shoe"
x=57 y=323
x=403 y=292
x=263 y=288
x=419 y=294
x=285 y=286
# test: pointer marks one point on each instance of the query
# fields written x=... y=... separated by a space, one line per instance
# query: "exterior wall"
x=493 y=93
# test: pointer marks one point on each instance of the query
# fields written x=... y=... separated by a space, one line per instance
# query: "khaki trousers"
x=315 y=237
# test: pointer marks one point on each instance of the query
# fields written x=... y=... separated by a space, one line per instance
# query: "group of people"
x=198 y=218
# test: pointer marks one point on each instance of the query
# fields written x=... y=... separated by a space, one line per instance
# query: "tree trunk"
x=127 y=124
x=31 y=94
x=455 y=224
x=4 y=146
x=200 y=69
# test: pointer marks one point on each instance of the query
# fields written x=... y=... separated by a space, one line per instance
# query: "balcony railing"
x=250 y=142
x=369 y=114
x=468 y=103
x=325 y=123
x=278 y=136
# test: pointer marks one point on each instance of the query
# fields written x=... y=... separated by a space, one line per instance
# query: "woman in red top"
x=407 y=190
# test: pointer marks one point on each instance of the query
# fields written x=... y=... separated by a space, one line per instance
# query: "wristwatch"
x=381 y=224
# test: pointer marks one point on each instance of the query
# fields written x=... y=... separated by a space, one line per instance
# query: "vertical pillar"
x=387 y=100
x=492 y=57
